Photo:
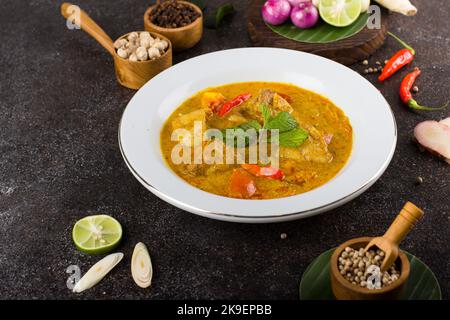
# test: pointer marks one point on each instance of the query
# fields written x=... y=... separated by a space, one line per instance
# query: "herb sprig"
x=291 y=135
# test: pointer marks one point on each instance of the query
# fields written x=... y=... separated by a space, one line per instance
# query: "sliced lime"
x=340 y=13
x=97 y=234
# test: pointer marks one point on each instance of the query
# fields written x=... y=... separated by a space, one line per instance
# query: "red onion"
x=305 y=15
x=295 y=3
x=276 y=11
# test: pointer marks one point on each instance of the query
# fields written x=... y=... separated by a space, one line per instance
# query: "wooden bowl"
x=134 y=74
x=182 y=38
x=344 y=290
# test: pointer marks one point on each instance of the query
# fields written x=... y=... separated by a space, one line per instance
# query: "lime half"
x=97 y=234
x=340 y=13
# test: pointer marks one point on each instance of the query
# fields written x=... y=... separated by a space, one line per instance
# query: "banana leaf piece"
x=322 y=32
x=315 y=283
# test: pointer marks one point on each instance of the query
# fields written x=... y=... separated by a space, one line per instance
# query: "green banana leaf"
x=322 y=32
x=315 y=283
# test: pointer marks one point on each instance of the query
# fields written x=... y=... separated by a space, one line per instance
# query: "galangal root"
x=434 y=136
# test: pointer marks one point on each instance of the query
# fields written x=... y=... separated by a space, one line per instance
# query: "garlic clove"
x=133 y=57
x=145 y=42
x=119 y=43
x=141 y=266
x=123 y=53
x=133 y=36
x=97 y=272
x=153 y=53
x=145 y=35
x=161 y=45
x=141 y=53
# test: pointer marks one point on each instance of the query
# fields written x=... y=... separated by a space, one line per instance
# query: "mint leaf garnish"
x=293 y=138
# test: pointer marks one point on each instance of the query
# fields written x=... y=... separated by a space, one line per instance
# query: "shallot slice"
x=435 y=137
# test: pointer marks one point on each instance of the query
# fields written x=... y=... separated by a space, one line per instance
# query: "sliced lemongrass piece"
x=97 y=272
x=141 y=266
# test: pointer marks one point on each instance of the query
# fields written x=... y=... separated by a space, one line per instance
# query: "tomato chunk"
x=241 y=184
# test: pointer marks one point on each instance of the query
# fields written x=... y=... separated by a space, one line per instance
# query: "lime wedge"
x=340 y=13
x=97 y=234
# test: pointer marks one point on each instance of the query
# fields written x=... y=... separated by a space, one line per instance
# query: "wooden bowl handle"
x=403 y=223
x=88 y=25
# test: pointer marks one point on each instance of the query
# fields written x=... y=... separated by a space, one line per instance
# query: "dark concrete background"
x=59 y=110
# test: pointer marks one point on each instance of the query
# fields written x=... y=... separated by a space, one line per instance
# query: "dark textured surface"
x=59 y=111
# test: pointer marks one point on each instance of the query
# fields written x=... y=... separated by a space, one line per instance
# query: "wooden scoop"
x=131 y=74
x=398 y=230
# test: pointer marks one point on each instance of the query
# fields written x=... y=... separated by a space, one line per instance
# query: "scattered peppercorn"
x=378 y=63
x=386 y=61
x=365 y=62
x=283 y=236
x=366 y=71
x=173 y=14
x=415 y=89
x=370 y=70
x=419 y=180
x=354 y=266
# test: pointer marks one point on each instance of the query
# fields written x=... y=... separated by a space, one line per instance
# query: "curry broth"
x=309 y=109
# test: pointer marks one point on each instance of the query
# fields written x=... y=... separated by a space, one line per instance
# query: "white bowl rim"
x=230 y=216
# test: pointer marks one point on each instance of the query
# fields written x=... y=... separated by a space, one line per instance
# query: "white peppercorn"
x=357 y=266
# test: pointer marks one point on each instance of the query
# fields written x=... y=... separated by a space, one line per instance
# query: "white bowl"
x=373 y=123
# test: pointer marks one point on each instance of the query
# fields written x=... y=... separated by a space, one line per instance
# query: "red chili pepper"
x=241 y=184
x=240 y=99
x=405 y=92
x=398 y=60
x=267 y=172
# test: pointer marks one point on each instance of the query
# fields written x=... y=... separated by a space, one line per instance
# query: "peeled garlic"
x=97 y=272
x=161 y=45
x=141 y=53
x=120 y=43
x=123 y=53
x=133 y=57
x=133 y=36
x=145 y=42
x=141 y=266
x=153 y=53
x=145 y=35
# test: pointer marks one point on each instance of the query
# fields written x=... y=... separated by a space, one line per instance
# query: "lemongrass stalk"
x=401 y=6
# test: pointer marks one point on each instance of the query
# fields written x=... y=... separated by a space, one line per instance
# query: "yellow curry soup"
x=320 y=147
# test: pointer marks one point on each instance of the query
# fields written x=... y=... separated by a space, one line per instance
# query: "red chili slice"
x=240 y=99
